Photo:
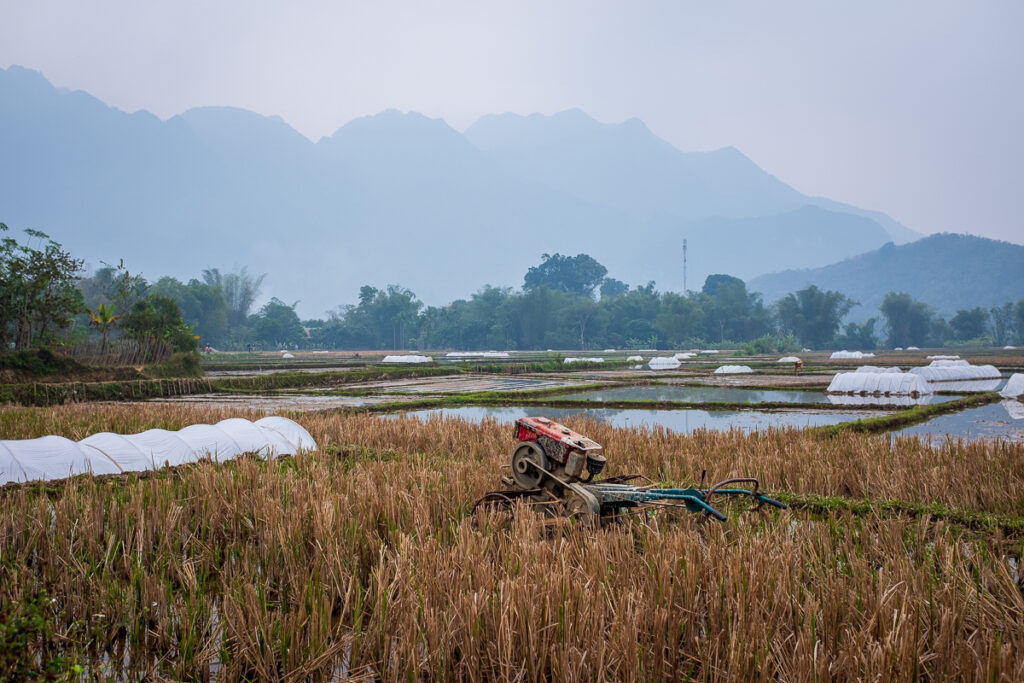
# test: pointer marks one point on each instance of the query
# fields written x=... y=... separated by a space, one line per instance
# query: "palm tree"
x=104 y=319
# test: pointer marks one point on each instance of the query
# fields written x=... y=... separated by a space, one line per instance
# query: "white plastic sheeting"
x=876 y=369
x=844 y=354
x=411 y=358
x=942 y=357
x=950 y=370
x=898 y=383
x=583 y=360
x=684 y=354
x=733 y=370
x=1014 y=387
x=711 y=351
x=54 y=457
x=478 y=354
x=635 y=359
x=1009 y=348
x=663 y=363
x=788 y=359
x=872 y=400
x=913 y=348
x=971 y=385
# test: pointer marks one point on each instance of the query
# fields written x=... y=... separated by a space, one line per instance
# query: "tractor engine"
x=551 y=456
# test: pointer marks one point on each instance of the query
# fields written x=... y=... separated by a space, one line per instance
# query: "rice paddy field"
x=898 y=558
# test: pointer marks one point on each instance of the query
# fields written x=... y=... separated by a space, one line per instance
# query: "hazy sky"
x=912 y=108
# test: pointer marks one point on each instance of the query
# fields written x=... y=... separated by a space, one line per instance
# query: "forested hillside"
x=947 y=272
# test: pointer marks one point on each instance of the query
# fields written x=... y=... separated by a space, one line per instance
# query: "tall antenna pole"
x=684 y=267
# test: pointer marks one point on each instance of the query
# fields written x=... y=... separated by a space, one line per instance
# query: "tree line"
x=564 y=302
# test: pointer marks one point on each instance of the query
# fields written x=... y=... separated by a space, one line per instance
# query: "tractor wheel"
x=525 y=462
x=581 y=510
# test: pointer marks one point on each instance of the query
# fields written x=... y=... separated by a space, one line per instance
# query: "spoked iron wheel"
x=495 y=505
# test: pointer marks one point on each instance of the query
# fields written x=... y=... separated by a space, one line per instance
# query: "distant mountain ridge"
x=398 y=198
x=948 y=272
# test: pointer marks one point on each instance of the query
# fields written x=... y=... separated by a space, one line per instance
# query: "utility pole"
x=684 y=267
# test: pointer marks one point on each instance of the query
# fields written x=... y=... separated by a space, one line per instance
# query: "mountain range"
x=399 y=198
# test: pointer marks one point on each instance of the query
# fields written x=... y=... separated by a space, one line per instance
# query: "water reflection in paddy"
x=1003 y=420
x=674 y=420
x=857 y=400
x=705 y=394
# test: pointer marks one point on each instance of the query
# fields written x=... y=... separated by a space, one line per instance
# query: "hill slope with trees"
x=947 y=272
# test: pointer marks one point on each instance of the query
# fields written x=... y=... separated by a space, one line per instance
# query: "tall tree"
x=579 y=274
x=969 y=324
x=202 y=306
x=679 y=320
x=157 y=318
x=389 y=316
x=731 y=312
x=1002 y=323
x=610 y=287
x=37 y=289
x=813 y=316
x=860 y=336
x=239 y=291
x=909 y=321
x=278 y=325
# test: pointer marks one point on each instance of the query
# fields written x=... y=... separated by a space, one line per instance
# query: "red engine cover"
x=543 y=429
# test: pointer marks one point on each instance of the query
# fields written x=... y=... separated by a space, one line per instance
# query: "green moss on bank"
x=911 y=416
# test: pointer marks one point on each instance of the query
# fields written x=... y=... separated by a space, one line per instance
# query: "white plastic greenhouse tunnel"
x=583 y=360
x=951 y=370
x=634 y=359
x=1014 y=387
x=788 y=359
x=892 y=383
x=876 y=369
x=478 y=354
x=663 y=363
x=54 y=457
x=411 y=358
x=844 y=354
x=733 y=370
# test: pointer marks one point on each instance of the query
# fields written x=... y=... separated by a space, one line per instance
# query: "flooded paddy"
x=700 y=394
x=680 y=421
x=1004 y=420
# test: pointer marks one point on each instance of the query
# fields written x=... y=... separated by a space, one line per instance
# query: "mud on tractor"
x=556 y=469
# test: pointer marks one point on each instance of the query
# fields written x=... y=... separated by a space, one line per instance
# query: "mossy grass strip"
x=906 y=418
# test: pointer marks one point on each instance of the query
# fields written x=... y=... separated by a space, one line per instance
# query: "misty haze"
x=544 y=341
